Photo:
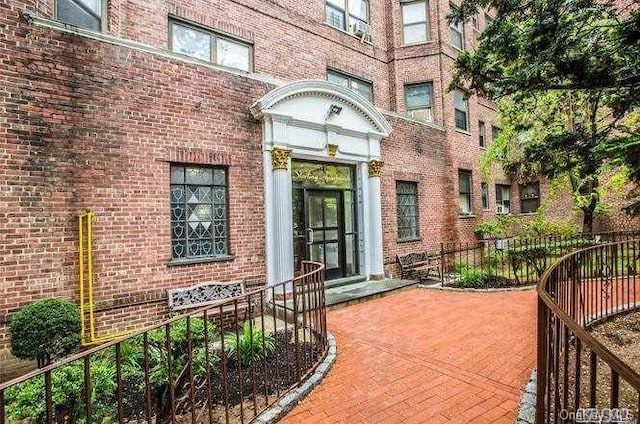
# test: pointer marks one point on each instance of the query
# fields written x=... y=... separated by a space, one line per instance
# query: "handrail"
x=555 y=341
x=262 y=314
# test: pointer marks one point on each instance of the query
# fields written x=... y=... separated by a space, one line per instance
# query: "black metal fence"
x=512 y=262
x=219 y=364
x=579 y=378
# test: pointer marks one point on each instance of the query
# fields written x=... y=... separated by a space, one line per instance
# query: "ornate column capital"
x=280 y=158
x=375 y=168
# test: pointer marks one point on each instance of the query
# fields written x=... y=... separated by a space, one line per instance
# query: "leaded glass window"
x=199 y=221
x=407 y=210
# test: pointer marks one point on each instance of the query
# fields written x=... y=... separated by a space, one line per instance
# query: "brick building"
x=229 y=139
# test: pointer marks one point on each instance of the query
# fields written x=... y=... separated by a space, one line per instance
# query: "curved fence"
x=224 y=363
x=580 y=378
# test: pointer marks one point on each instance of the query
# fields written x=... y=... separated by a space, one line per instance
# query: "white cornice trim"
x=326 y=89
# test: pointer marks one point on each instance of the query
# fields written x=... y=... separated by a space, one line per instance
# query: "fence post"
x=442 y=263
x=541 y=383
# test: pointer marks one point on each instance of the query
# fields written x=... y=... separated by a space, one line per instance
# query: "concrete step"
x=351 y=294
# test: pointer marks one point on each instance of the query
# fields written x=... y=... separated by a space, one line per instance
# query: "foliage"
x=568 y=76
x=501 y=227
x=252 y=344
x=25 y=402
x=45 y=330
x=470 y=277
x=543 y=227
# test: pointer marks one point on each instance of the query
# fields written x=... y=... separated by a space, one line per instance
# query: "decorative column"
x=376 y=258
x=282 y=216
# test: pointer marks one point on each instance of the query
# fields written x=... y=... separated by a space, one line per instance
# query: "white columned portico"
x=320 y=122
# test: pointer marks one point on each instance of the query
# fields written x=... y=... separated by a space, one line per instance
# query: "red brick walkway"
x=426 y=356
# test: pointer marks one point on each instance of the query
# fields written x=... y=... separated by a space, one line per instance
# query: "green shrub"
x=26 y=401
x=541 y=227
x=470 y=277
x=501 y=227
x=252 y=344
x=45 y=330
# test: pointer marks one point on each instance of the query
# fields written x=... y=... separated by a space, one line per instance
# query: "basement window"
x=206 y=45
x=87 y=14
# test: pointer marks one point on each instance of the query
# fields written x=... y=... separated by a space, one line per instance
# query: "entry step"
x=350 y=294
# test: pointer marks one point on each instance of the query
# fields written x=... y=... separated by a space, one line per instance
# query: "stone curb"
x=439 y=287
x=291 y=399
x=527 y=409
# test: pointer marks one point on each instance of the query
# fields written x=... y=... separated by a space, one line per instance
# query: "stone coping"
x=440 y=287
x=527 y=408
x=278 y=410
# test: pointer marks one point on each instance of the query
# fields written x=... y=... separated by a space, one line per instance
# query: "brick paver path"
x=425 y=356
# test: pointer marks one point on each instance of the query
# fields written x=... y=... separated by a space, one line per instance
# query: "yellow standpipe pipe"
x=87 y=219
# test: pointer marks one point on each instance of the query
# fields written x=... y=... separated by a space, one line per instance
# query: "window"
x=485 y=196
x=461 y=108
x=364 y=88
x=495 y=132
x=464 y=191
x=337 y=16
x=415 y=22
x=474 y=22
x=529 y=197
x=407 y=210
x=457 y=33
x=86 y=14
x=503 y=199
x=418 y=101
x=199 y=222
x=210 y=47
x=482 y=134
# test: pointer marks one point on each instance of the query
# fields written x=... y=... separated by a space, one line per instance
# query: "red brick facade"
x=94 y=124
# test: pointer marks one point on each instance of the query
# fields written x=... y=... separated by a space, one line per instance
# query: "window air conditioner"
x=361 y=29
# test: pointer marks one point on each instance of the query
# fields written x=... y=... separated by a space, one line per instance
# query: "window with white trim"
x=348 y=15
x=415 y=21
x=87 y=14
x=503 y=199
x=461 y=106
x=465 y=193
x=457 y=32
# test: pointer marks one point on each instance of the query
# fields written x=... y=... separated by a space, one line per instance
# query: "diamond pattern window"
x=199 y=221
x=87 y=14
x=407 y=210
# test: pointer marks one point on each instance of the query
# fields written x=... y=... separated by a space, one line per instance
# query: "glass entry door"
x=324 y=235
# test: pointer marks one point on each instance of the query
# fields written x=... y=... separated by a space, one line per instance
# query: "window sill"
x=194 y=261
x=409 y=240
x=470 y=216
x=350 y=34
x=527 y=214
x=458 y=130
x=419 y=43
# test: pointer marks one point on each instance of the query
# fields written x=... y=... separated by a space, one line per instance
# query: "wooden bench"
x=419 y=265
x=203 y=294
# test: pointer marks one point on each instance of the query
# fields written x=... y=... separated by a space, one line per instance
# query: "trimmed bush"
x=45 y=330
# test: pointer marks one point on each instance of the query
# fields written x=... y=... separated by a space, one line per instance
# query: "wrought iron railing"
x=514 y=261
x=580 y=378
x=221 y=363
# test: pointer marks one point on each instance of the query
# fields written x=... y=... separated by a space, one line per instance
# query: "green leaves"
x=252 y=344
x=45 y=330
